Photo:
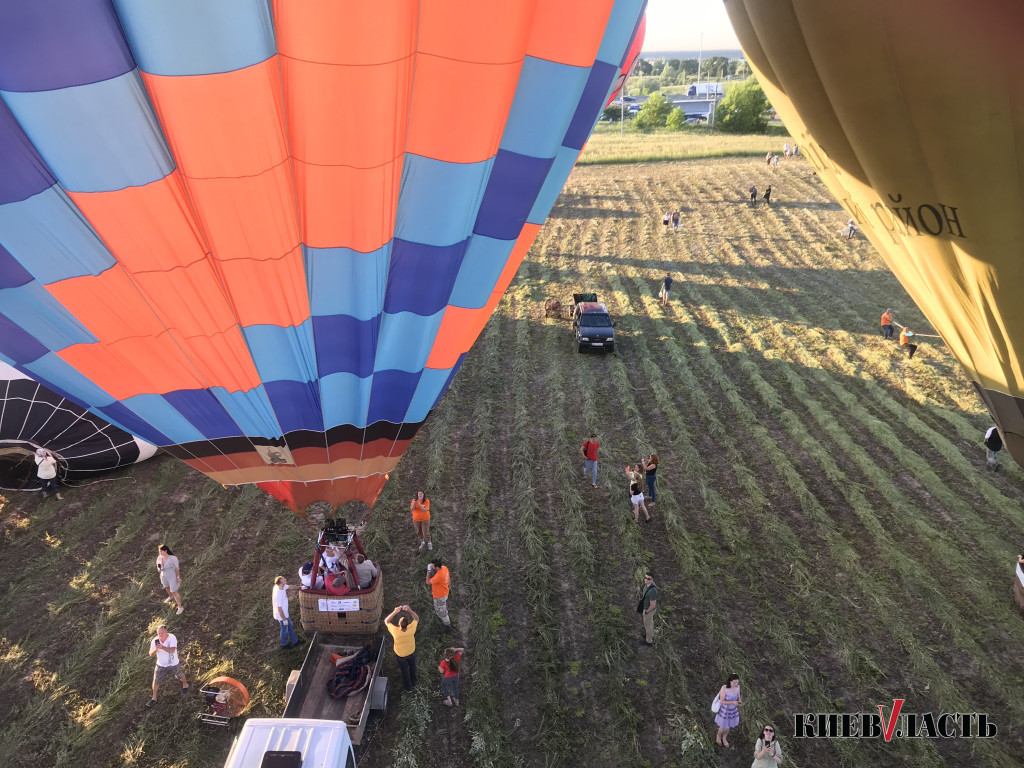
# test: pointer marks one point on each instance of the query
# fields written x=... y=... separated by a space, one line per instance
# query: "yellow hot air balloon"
x=912 y=112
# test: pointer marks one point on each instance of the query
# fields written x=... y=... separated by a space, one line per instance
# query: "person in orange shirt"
x=911 y=348
x=420 y=508
x=440 y=582
x=887 y=324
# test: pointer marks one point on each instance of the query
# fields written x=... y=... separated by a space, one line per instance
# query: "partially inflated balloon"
x=32 y=416
x=265 y=235
x=912 y=112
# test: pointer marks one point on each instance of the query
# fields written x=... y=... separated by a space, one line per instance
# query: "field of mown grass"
x=606 y=145
x=825 y=525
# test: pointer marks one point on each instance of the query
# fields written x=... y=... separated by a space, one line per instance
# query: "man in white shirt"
x=165 y=647
x=279 y=606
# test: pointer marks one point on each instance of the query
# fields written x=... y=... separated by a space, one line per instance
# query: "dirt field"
x=825 y=526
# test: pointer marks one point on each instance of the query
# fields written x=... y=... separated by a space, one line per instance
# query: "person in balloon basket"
x=887 y=324
x=46 y=471
x=420 y=508
x=165 y=647
x=589 y=451
x=439 y=581
x=279 y=605
x=403 y=632
x=905 y=335
x=993 y=445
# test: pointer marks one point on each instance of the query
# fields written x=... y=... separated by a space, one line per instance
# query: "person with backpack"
x=589 y=451
x=993 y=445
x=647 y=606
x=449 y=669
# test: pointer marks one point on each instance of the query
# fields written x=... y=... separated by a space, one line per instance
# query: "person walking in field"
x=169 y=568
x=887 y=324
x=589 y=451
x=768 y=195
x=905 y=336
x=449 y=669
x=279 y=608
x=785 y=149
x=439 y=581
x=403 y=634
x=675 y=221
x=46 y=471
x=753 y=196
x=728 y=716
x=636 y=498
x=647 y=606
x=165 y=647
x=650 y=465
x=993 y=445
x=775 y=163
x=420 y=508
x=849 y=230
x=767 y=752
x=1018 y=583
x=666 y=286
x=768 y=158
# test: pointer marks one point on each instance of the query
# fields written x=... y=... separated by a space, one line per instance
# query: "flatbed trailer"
x=306 y=696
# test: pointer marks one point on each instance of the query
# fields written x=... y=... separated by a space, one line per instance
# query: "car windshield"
x=596 y=321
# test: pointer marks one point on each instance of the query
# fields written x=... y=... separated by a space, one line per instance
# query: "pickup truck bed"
x=309 y=699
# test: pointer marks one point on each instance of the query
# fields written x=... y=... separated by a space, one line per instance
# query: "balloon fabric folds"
x=912 y=113
x=31 y=417
x=264 y=235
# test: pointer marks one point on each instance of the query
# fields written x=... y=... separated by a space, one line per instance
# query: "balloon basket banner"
x=365 y=621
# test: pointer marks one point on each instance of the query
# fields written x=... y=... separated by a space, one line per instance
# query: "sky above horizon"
x=676 y=25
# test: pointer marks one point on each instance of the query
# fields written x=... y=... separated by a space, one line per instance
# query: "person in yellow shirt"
x=439 y=581
x=403 y=632
x=905 y=336
x=887 y=324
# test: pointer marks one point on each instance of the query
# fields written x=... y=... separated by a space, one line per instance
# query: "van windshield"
x=596 y=321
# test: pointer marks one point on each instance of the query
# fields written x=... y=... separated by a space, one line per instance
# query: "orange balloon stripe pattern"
x=265 y=235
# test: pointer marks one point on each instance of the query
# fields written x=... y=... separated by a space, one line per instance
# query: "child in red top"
x=449 y=668
x=589 y=451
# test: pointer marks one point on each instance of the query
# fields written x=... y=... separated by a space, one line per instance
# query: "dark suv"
x=591 y=324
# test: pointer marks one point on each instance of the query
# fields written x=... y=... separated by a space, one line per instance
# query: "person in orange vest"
x=904 y=336
x=440 y=582
x=887 y=324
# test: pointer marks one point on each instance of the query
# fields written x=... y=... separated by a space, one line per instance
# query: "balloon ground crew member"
x=887 y=324
x=440 y=583
x=993 y=445
x=647 y=606
x=905 y=335
x=589 y=451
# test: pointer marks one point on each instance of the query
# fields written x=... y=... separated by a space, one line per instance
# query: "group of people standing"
x=403 y=621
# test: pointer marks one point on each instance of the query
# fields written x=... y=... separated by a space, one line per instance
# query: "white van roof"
x=323 y=743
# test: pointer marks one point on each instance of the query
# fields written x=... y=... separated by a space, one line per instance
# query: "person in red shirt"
x=589 y=451
x=439 y=581
x=449 y=668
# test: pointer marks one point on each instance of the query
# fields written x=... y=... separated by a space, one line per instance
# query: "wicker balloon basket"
x=319 y=610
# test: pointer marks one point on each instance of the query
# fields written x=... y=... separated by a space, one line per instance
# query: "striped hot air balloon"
x=264 y=235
